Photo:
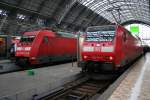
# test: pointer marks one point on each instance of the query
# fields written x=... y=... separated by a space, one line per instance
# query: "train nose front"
x=23 y=50
x=98 y=52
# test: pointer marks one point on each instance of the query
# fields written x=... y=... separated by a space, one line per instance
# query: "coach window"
x=46 y=39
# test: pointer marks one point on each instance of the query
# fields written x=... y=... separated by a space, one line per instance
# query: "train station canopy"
x=18 y=15
x=123 y=11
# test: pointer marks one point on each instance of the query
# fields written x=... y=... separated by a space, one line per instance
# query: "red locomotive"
x=108 y=47
x=45 y=46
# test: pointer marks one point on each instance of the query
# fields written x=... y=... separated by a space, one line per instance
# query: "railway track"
x=81 y=89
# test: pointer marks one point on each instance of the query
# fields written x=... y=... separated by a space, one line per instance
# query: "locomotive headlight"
x=110 y=57
x=33 y=58
x=85 y=57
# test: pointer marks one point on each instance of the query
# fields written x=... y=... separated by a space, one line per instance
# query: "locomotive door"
x=46 y=45
x=125 y=48
x=44 y=50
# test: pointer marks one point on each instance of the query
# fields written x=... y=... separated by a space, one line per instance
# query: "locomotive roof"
x=31 y=33
x=56 y=33
x=66 y=34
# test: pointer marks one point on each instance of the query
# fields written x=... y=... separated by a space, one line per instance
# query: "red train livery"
x=45 y=46
x=108 y=47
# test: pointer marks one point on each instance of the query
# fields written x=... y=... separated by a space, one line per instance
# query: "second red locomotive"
x=108 y=47
x=45 y=46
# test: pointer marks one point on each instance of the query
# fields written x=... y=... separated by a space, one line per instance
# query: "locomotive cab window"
x=27 y=38
x=100 y=33
x=46 y=39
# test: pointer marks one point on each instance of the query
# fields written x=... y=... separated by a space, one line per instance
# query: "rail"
x=81 y=89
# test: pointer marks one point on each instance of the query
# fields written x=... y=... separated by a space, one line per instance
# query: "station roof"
x=72 y=14
x=123 y=11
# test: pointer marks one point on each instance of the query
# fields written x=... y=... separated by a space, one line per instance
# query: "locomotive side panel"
x=59 y=48
x=125 y=47
x=119 y=48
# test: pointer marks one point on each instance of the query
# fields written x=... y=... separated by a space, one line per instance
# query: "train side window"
x=46 y=39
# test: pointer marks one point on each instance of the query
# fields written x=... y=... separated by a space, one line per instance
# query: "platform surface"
x=44 y=78
x=136 y=85
x=6 y=65
x=4 y=61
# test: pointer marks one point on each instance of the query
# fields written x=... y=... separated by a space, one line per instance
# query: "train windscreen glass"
x=100 y=33
x=27 y=38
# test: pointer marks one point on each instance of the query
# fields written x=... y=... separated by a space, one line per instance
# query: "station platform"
x=22 y=85
x=4 y=61
x=6 y=65
x=136 y=85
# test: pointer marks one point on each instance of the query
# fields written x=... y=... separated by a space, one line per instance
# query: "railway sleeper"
x=74 y=96
x=89 y=87
x=86 y=90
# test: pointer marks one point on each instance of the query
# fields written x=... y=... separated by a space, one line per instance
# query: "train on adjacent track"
x=108 y=47
x=44 y=46
x=6 y=42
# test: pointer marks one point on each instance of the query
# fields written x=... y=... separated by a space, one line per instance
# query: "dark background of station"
x=63 y=14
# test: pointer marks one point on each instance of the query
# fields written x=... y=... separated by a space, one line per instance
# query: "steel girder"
x=128 y=9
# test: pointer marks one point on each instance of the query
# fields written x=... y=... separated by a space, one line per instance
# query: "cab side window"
x=46 y=39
